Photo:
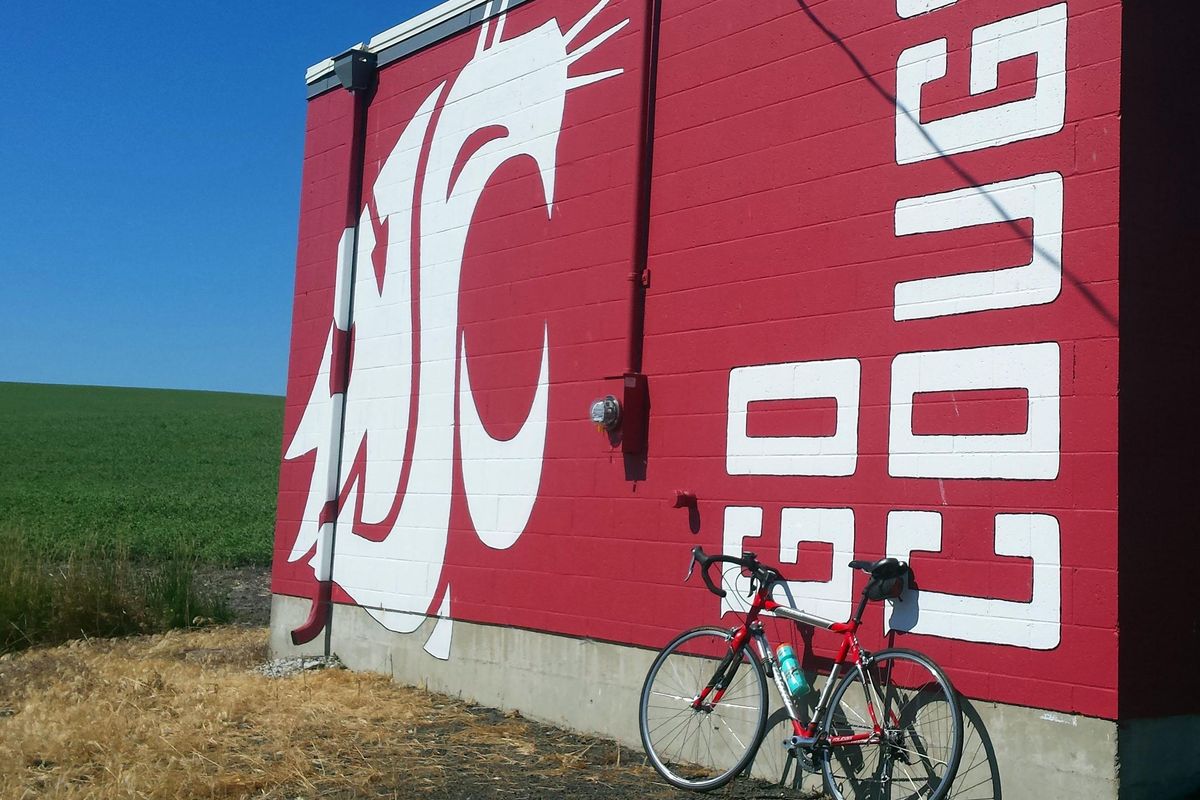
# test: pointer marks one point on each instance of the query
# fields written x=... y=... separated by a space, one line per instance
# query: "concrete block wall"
x=804 y=230
x=491 y=305
x=870 y=258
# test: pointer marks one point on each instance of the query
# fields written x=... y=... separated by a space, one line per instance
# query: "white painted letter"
x=912 y=8
x=741 y=522
x=1039 y=197
x=1032 y=455
x=1042 y=33
x=835 y=455
x=1035 y=625
x=829 y=599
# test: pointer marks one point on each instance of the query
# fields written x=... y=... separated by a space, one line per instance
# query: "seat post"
x=862 y=607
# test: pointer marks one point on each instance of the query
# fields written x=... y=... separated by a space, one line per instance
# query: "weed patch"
x=97 y=591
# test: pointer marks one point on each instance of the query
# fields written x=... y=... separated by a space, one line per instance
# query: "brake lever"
x=691 y=569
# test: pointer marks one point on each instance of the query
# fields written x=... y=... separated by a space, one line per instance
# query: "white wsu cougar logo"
x=515 y=89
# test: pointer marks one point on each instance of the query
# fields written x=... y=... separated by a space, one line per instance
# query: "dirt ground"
x=246 y=589
x=184 y=715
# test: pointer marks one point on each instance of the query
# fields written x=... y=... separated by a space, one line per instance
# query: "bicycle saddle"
x=882 y=569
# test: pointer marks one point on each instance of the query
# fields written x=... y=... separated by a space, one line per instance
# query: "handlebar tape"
x=749 y=562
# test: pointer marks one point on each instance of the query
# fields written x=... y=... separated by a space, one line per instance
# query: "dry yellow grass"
x=179 y=715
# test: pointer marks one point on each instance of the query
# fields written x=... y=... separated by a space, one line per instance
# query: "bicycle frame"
x=878 y=717
x=751 y=629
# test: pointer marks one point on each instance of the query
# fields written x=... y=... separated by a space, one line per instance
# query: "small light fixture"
x=606 y=413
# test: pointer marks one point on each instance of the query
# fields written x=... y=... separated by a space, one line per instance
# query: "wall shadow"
x=978 y=773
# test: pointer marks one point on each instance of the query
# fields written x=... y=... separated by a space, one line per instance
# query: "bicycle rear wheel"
x=702 y=746
x=920 y=745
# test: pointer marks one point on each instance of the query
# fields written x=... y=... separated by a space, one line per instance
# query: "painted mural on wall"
x=880 y=320
x=410 y=353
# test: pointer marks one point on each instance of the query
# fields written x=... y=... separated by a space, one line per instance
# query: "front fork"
x=711 y=694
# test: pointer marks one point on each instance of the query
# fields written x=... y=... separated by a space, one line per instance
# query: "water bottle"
x=789 y=668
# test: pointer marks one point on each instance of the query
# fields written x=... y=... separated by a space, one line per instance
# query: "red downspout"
x=356 y=70
x=635 y=402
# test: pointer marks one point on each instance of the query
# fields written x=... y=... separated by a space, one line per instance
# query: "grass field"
x=156 y=470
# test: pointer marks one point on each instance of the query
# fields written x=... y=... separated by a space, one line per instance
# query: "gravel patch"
x=286 y=667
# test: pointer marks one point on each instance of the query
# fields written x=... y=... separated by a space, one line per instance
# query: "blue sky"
x=150 y=158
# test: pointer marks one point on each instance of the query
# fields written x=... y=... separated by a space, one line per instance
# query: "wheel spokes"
x=701 y=745
x=916 y=754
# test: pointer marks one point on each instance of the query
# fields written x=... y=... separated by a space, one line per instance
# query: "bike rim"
x=920 y=737
x=701 y=747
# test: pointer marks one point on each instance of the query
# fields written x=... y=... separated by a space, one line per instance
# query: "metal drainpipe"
x=357 y=71
x=639 y=278
x=636 y=399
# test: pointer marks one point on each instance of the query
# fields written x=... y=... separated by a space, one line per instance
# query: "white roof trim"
x=405 y=30
x=421 y=22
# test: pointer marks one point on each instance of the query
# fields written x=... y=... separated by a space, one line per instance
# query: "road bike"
x=889 y=727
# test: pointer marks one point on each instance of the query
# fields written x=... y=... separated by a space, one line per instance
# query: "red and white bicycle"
x=889 y=727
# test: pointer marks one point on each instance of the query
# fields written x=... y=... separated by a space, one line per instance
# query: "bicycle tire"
x=923 y=735
x=679 y=739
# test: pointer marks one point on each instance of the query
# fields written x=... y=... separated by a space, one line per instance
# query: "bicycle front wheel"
x=919 y=744
x=703 y=745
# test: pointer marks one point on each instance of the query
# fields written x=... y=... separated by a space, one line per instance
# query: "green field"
x=149 y=468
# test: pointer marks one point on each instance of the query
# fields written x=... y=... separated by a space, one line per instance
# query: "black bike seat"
x=883 y=568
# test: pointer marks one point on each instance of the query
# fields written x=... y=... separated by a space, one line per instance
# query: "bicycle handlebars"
x=761 y=573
